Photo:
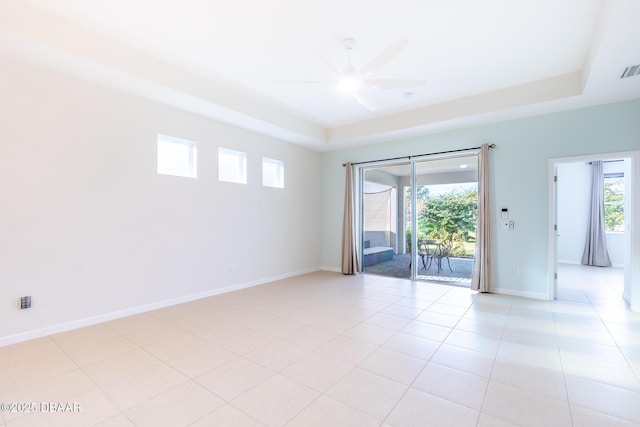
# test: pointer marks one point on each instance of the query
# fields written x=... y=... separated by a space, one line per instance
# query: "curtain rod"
x=608 y=161
x=420 y=155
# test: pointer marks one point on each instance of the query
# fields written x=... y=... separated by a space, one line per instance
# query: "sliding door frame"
x=360 y=171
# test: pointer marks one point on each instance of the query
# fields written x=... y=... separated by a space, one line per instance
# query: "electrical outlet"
x=25 y=302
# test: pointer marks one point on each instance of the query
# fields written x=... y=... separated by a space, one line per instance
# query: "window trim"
x=193 y=155
x=241 y=166
x=279 y=164
x=614 y=175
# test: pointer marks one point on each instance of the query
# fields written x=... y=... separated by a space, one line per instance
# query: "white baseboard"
x=566 y=261
x=88 y=321
x=524 y=294
x=563 y=261
x=333 y=269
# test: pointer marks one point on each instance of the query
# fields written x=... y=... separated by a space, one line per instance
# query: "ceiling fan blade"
x=394 y=83
x=384 y=57
x=365 y=101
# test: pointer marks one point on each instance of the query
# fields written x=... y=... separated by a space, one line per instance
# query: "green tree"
x=614 y=204
x=453 y=213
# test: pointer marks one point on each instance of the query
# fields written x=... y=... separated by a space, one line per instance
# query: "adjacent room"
x=315 y=213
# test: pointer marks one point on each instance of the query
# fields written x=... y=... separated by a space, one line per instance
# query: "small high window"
x=272 y=173
x=232 y=166
x=177 y=157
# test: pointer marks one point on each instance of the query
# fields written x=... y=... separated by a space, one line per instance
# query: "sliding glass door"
x=384 y=247
x=419 y=219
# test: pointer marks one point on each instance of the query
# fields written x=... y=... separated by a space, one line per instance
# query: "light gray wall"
x=87 y=227
x=519 y=179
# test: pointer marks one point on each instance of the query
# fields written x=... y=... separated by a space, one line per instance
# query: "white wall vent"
x=633 y=70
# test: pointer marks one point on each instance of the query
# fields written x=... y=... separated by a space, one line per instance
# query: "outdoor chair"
x=443 y=250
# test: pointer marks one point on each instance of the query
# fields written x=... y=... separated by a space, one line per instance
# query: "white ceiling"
x=483 y=61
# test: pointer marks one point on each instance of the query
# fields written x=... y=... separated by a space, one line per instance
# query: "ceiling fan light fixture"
x=349 y=84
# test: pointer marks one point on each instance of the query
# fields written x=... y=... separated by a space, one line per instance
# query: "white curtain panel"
x=595 y=248
x=349 y=255
x=482 y=278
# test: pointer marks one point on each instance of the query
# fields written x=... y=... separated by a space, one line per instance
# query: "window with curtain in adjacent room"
x=614 y=202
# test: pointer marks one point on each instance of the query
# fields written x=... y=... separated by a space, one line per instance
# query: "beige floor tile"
x=120 y=420
x=367 y=392
x=277 y=355
x=134 y=389
x=481 y=327
x=201 y=360
x=490 y=421
x=317 y=371
x=591 y=350
x=101 y=351
x=427 y=330
x=438 y=319
x=465 y=360
x=175 y=346
x=309 y=337
x=135 y=324
x=525 y=408
x=452 y=384
x=608 y=373
x=234 y=378
x=398 y=310
x=148 y=336
x=334 y=324
x=244 y=342
x=82 y=410
x=278 y=326
x=473 y=341
x=605 y=398
x=412 y=345
x=420 y=409
x=275 y=401
x=448 y=309
x=369 y=333
x=60 y=388
x=83 y=337
x=35 y=372
x=179 y=406
x=530 y=355
x=329 y=412
x=16 y=355
x=227 y=416
x=348 y=350
x=194 y=320
x=120 y=366
x=534 y=379
x=584 y=417
x=395 y=366
x=388 y=321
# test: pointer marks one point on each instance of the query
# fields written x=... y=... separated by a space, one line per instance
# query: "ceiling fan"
x=354 y=81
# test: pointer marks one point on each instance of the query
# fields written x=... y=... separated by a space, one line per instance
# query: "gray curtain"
x=482 y=278
x=349 y=255
x=595 y=248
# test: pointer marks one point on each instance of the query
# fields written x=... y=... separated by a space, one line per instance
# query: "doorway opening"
x=570 y=181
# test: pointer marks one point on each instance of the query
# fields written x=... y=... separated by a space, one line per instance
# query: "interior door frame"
x=631 y=292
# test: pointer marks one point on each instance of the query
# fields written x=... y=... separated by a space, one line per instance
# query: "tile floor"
x=329 y=350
